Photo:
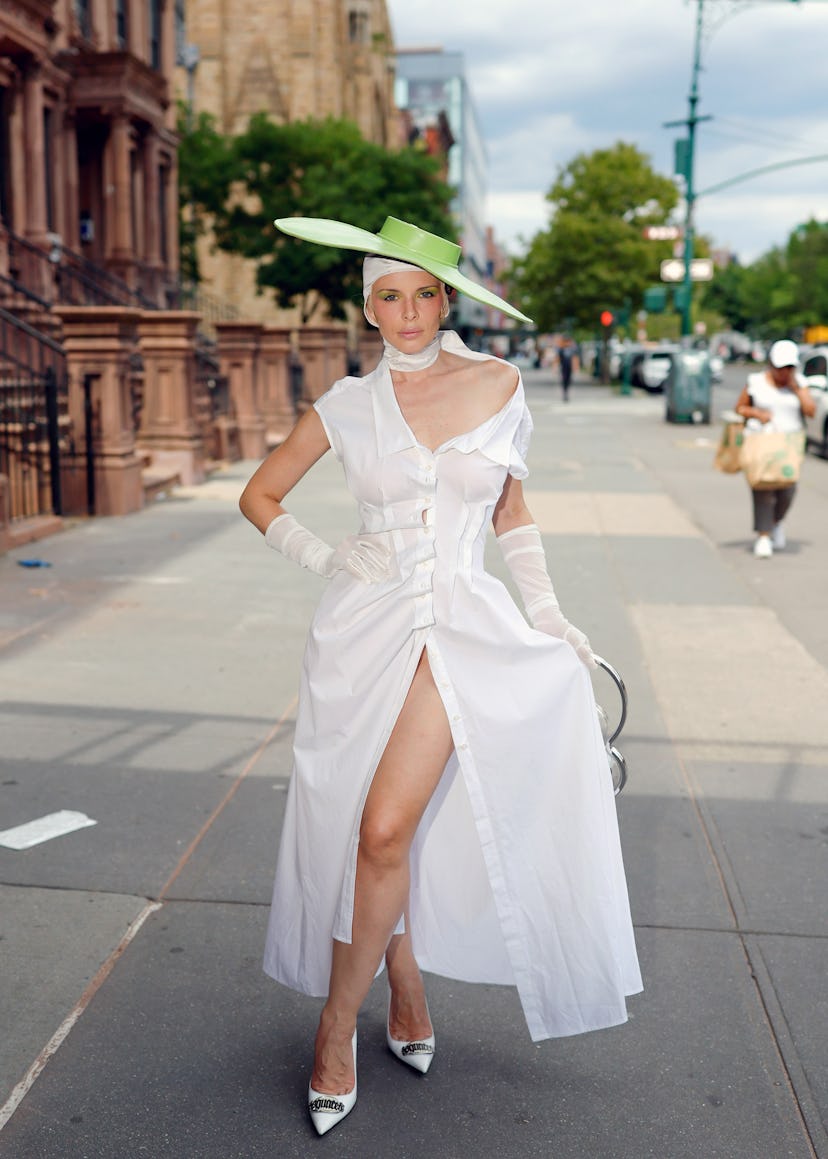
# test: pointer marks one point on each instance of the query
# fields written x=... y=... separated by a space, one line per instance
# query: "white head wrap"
x=374 y=267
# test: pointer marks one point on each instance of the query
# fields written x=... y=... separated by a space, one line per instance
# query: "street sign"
x=672 y=270
x=662 y=232
x=701 y=270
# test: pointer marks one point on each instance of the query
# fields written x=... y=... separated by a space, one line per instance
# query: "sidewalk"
x=148 y=680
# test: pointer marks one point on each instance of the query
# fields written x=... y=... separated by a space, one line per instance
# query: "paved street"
x=148 y=681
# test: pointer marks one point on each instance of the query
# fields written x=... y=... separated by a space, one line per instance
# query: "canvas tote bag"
x=772 y=459
x=728 y=457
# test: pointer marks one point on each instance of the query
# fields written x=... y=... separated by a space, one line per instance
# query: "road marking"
x=44 y=829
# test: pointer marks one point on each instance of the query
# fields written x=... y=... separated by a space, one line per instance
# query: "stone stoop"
x=156 y=478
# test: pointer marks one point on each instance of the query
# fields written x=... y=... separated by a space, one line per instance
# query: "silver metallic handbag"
x=617 y=764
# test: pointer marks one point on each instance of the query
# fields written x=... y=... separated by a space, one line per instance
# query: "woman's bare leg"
x=407 y=775
x=408 y=1017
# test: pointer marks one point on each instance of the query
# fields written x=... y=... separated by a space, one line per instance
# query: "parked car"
x=654 y=367
x=815 y=371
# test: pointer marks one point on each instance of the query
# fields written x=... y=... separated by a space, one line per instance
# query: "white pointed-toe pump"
x=328 y=1110
x=418 y=1054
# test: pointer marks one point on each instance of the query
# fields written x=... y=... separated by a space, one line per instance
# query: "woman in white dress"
x=451 y=807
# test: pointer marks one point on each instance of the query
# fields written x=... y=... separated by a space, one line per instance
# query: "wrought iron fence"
x=35 y=424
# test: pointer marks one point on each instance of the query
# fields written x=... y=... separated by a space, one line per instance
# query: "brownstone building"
x=294 y=60
x=87 y=145
x=97 y=373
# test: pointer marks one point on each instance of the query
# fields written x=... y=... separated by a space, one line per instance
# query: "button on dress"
x=516 y=868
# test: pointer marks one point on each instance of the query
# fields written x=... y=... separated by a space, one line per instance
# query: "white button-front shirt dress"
x=516 y=868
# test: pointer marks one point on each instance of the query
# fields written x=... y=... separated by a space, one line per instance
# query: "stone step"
x=158 y=481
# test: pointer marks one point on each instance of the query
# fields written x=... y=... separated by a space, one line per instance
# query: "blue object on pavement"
x=33 y=563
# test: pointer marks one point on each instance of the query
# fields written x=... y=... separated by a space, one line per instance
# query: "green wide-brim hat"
x=403 y=241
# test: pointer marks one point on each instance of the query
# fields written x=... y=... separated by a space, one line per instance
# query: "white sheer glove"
x=362 y=556
x=522 y=549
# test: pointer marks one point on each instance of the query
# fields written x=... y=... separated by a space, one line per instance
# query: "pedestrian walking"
x=775 y=399
x=565 y=356
x=451 y=807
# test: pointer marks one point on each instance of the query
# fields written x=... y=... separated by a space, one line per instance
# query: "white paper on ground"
x=44 y=829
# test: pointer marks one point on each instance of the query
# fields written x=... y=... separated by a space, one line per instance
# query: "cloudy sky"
x=552 y=78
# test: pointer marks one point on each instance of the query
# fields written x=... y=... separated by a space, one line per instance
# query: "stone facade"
x=294 y=60
x=87 y=143
x=88 y=240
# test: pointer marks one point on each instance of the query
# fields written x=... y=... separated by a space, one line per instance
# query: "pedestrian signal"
x=607 y=317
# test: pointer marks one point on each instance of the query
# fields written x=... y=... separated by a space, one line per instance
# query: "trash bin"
x=687 y=389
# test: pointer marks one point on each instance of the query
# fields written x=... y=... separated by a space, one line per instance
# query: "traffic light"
x=607 y=318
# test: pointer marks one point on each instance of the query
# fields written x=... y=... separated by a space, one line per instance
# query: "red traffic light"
x=607 y=317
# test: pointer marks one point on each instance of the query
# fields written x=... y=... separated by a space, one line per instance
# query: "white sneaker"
x=778 y=538
x=763 y=548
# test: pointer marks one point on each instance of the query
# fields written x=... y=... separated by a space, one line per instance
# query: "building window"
x=180 y=31
x=122 y=25
x=155 y=33
x=163 y=201
x=83 y=18
x=5 y=157
x=359 y=26
x=49 y=166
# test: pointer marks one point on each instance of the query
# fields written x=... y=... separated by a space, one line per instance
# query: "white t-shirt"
x=783 y=404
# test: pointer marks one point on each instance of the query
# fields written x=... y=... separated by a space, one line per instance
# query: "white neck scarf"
x=421 y=360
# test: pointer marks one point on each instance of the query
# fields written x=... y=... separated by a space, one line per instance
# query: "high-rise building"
x=431 y=87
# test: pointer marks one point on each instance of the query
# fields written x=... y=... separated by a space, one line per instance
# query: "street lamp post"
x=688 y=159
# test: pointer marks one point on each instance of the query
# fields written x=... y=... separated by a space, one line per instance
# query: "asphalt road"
x=148 y=681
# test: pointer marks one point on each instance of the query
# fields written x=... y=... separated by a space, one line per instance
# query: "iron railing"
x=35 y=426
x=213 y=405
x=61 y=276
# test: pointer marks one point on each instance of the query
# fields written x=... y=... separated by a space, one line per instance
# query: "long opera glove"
x=361 y=555
x=523 y=552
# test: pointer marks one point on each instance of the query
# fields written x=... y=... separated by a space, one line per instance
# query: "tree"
x=594 y=254
x=320 y=169
x=725 y=296
x=807 y=263
x=783 y=291
x=205 y=173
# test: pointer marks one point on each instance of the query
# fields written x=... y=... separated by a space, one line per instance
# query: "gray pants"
x=771 y=507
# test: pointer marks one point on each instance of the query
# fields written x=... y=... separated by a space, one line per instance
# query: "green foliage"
x=593 y=254
x=314 y=169
x=782 y=292
x=205 y=171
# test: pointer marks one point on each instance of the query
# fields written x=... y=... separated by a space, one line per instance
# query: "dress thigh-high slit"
x=408 y=772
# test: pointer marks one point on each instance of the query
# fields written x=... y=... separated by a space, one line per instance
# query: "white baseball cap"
x=783 y=353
